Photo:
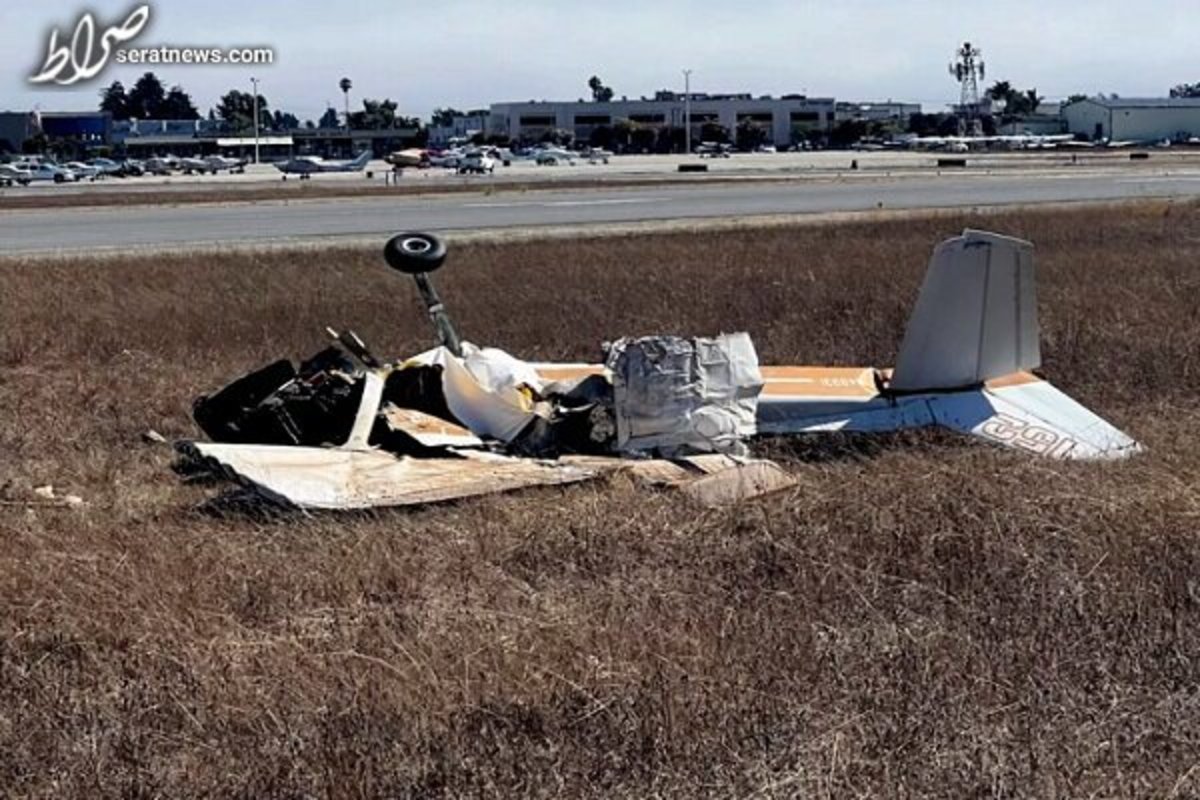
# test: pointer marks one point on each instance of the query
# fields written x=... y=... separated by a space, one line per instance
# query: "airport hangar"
x=1134 y=119
x=786 y=120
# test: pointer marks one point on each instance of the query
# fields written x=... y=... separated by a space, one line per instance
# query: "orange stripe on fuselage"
x=819 y=382
x=1013 y=379
x=781 y=381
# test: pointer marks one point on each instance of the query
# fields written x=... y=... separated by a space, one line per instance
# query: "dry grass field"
x=919 y=617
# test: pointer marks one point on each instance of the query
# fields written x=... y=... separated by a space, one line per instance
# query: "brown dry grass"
x=927 y=619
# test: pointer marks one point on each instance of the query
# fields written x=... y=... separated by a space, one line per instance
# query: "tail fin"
x=975 y=318
x=361 y=160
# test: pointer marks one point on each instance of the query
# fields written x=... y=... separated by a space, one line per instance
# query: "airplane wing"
x=337 y=478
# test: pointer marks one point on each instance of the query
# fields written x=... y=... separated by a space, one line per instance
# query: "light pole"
x=345 y=85
x=687 y=112
x=254 y=83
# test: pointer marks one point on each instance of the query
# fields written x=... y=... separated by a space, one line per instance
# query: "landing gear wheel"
x=412 y=253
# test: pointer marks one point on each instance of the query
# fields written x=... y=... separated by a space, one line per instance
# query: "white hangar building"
x=1136 y=119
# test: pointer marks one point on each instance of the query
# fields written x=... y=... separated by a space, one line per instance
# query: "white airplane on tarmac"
x=1014 y=141
x=212 y=165
x=306 y=166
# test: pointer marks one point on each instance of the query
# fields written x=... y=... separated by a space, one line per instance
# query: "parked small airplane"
x=348 y=431
x=306 y=166
x=553 y=156
x=212 y=165
x=1011 y=141
x=161 y=165
x=412 y=157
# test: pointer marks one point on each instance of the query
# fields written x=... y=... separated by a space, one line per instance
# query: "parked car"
x=105 y=165
x=477 y=163
x=51 y=172
x=11 y=173
x=130 y=168
x=82 y=170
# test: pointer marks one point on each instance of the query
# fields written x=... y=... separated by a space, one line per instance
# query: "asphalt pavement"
x=83 y=229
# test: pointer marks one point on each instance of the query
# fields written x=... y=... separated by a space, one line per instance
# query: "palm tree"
x=346 y=85
x=1001 y=90
x=1032 y=100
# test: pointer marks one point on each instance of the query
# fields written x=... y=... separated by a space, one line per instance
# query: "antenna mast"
x=968 y=70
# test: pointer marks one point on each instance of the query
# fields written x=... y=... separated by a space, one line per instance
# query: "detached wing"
x=332 y=478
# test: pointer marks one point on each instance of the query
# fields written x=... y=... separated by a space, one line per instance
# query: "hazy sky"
x=459 y=53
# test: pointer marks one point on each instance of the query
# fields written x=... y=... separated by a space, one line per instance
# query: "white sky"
x=468 y=54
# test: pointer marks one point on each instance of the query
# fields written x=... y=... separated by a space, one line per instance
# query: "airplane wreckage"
x=345 y=430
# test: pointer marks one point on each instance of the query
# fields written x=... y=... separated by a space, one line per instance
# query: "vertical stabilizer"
x=975 y=318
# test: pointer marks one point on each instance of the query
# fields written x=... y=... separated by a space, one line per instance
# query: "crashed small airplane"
x=347 y=431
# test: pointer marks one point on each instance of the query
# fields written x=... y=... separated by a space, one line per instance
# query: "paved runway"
x=44 y=230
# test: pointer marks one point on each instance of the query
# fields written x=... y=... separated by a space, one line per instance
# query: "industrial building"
x=1134 y=119
x=16 y=128
x=887 y=111
x=785 y=120
x=141 y=138
x=77 y=130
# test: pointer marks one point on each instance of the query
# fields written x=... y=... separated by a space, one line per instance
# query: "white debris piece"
x=485 y=389
x=674 y=395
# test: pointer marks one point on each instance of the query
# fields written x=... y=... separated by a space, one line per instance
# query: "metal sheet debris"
x=337 y=479
x=675 y=396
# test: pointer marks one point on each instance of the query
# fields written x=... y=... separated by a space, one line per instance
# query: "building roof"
x=1147 y=102
x=247 y=141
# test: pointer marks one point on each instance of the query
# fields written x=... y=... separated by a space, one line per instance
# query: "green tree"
x=377 y=115
x=1075 y=98
x=178 y=105
x=443 y=117
x=999 y=91
x=600 y=92
x=115 y=101
x=601 y=136
x=284 y=121
x=748 y=136
x=329 y=119
x=147 y=97
x=1186 y=90
x=236 y=109
x=1032 y=101
x=714 y=132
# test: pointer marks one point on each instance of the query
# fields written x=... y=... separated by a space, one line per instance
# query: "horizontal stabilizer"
x=1035 y=417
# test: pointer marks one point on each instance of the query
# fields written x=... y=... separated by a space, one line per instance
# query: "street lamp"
x=687 y=111
x=254 y=83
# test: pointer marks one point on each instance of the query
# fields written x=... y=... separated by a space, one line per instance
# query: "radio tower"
x=967 y=69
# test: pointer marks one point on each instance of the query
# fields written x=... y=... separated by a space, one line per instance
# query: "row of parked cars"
x=31 y=169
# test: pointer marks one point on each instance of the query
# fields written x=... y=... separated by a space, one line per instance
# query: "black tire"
x=60 y=178
x=411 y=253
